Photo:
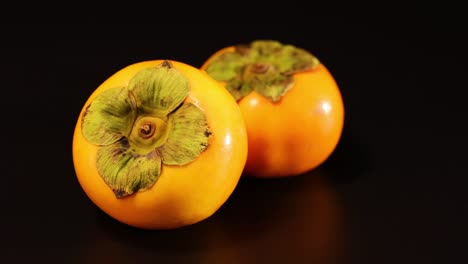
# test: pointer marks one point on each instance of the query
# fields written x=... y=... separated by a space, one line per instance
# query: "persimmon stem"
x=147 y=130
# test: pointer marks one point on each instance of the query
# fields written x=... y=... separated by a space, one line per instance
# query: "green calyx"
x=264 y=66
x=141 y=127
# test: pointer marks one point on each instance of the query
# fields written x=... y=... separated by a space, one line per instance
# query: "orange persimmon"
x=159 y=145
x=290 y=102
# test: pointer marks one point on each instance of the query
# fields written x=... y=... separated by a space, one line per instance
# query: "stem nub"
x=147 y=129
x=259 y=68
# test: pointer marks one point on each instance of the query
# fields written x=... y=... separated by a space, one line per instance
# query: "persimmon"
x=290 y=102
x=159 y=145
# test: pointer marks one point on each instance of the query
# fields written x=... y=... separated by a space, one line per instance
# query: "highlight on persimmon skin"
x=159 y=145
x=290 y=102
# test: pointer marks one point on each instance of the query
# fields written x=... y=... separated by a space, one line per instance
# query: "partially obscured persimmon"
x=290 y=101
x=159 y=145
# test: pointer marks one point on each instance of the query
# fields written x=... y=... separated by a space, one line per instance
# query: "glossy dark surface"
x=394 y=191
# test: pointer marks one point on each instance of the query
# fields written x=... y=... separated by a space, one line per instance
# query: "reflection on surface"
x=227 y=140
x=326 y=107
x=295 y=219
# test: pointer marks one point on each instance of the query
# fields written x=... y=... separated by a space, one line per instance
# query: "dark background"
x=394 y=191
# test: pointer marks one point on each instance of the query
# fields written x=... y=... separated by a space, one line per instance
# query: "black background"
x=394 y=191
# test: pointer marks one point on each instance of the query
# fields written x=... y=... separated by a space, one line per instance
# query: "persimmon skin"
x=297 y=133
x=183 y=195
